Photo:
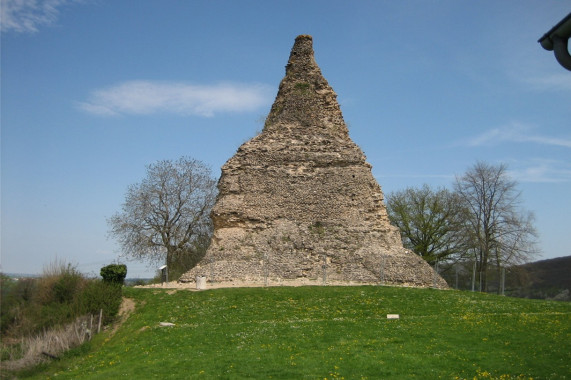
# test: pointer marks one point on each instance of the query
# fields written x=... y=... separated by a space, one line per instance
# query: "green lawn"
x=328 y=333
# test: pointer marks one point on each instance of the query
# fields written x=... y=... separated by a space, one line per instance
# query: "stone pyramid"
x=299 y=201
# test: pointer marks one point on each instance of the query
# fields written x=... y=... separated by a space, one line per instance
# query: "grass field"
x=328 y=333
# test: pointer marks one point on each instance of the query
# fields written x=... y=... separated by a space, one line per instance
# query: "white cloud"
x=25 y=16
x=518 y=133
x=542 y=170
x=148 y=97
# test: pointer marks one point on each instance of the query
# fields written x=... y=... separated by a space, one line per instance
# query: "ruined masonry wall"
x=299 y=200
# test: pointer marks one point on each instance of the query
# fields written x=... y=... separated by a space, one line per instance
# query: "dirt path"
x=125 y=310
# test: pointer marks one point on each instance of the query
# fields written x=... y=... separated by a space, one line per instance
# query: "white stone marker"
x=200 y=282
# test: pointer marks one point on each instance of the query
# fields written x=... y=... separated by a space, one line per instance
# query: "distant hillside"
x=551 y=273
x=21 y=275
x=546 y=279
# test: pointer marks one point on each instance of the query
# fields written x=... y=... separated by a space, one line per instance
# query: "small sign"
x=393 y=316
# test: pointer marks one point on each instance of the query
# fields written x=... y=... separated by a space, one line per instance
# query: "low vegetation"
x=328 y=333
x=43 y=317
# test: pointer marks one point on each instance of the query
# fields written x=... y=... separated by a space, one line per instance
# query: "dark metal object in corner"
x=557 y=39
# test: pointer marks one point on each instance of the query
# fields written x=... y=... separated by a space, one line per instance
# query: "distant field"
x=328 y=333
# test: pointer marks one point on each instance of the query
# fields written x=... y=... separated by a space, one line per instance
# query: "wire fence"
x=509 y=281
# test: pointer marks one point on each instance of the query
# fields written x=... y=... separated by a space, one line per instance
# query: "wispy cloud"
x=548 y=82
x=542 y=170
x=26 y=16
x=533 y=170
x=516 y=133
x=149 y=97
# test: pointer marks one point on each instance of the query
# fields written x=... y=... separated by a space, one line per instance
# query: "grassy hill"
x=328 y=333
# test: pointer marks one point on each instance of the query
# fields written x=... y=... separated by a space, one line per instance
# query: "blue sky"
x=94 y=90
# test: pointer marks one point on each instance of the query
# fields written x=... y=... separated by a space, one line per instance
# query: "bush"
x=99 y=295
x=13 y=294
x=60 y=283
x=114 y=273
x=53 y=313
x=60 y=296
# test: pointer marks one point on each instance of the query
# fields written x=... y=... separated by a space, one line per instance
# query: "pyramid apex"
x=304 y=97
x=301 y=56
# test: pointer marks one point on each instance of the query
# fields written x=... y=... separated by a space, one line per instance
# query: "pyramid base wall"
x=326 y=255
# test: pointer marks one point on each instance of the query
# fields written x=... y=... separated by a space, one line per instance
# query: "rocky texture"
x=299 y=201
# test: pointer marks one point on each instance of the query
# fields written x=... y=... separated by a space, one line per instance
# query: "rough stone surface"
x=299 y=201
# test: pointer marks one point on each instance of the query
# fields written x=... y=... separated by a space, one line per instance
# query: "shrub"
x=99 y=295
x=60 y=296
x=67 y=286
x=60 y=283
x=114 y=273
x=12 y=296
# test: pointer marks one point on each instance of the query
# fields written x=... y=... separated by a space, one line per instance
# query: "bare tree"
x=167 y=214
x=431 y=222
x=499 y=230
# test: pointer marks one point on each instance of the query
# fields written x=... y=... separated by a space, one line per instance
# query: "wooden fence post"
x=100 y=318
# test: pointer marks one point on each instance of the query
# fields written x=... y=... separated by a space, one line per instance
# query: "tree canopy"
x=481 y=219
x=498 y=229
x=166 y=216
x=431 y=222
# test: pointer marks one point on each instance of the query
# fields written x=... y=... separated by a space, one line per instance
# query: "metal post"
x=211 y=269
x=382 y=271
x=503 y=283
x=266 y=269
x=435 y=273
x=474 y=276
x=324 y=266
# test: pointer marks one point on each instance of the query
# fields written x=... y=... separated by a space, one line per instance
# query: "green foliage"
x=181 y=261
x=114 y=273
x=59 y=283
x=13 y=293
x=317 y=228
x=330 y=332
x=67 y=286
x=58 y=297
x=99 y=295
x=302 y=87
x=431 y=222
